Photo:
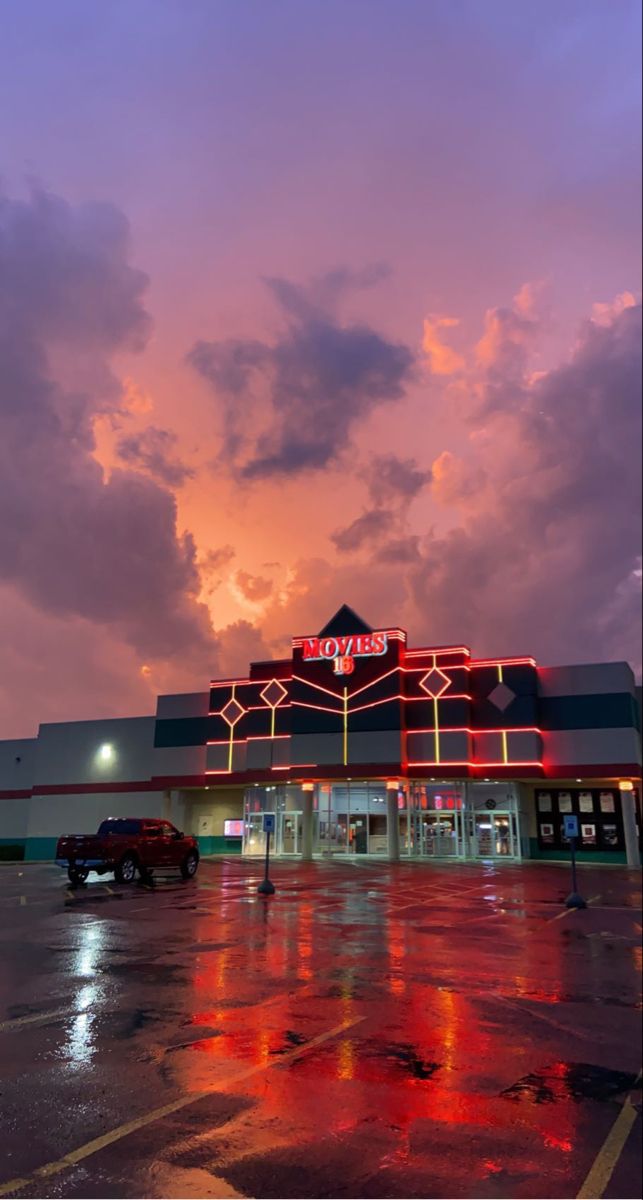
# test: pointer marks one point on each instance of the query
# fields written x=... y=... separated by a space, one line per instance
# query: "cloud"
x=254 y=587
x=152 y=450
x=547 y=549
x=371 y=526
x=72 y=542
x=393 y=483
x=395 y=480
x=83 y=658
x=543 y=552
x=399 y=551
x=290 y=406
x=441 y=358
x=239 y=644
x=455 y=479
x=214 y=560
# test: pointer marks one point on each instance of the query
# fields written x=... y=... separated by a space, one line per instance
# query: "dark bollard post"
x=266 y=888
x=574 y=900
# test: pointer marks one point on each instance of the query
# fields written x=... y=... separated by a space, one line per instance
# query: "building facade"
x=360 y=745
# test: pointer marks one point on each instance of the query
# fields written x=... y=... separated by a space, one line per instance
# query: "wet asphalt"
x=368 y=1031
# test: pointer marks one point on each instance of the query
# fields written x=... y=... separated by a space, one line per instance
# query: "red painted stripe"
x=592 y=770
x=601 y=771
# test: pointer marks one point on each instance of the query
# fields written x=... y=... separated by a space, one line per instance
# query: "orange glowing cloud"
x=442 y=359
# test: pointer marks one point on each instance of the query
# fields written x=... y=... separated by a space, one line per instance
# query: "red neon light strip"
x=266 y=737
x=337 y=712
x=374 y=681
x=263 y=707
x=309 y=683
x=214 y=683
x=374 y=703
x=466 y=729
x=444 y=650
x=449 y=667
x=462 y=763
x=501 y=662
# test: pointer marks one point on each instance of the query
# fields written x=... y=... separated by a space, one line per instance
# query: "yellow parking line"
x=567 y=911
x=602 y=1168
x=5 y=1026
x=23 y=900
x=157 y=1114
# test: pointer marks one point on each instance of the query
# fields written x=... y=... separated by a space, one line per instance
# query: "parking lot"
x=370 y=1030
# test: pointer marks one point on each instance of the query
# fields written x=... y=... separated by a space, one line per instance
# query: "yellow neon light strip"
x=272 y=722
x=503 y=734
x=231 y=745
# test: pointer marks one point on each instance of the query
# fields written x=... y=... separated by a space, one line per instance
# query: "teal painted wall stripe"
x=39 y=849
x=586 y=856
x=219 y=845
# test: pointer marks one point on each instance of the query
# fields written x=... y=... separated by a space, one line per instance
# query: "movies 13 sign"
x=342 y=651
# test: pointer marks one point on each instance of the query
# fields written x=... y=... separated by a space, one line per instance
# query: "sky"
x=304 y=304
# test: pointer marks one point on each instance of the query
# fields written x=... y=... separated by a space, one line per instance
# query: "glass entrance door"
x=289 y=832
x=496 y=835
x=254 y=838
x=436 y=834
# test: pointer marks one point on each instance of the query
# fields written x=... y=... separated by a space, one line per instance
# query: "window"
x=118 y=825
x=164 y=829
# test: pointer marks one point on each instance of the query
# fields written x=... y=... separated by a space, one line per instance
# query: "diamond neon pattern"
x=434 y=683
x=273 y=693
x=501 y=696
x=232 y=712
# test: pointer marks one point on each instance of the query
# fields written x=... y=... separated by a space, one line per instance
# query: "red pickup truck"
x=126 y=845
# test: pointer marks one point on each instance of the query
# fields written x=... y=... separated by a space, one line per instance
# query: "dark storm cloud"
x=549 y=546
x=290 y=406
x=395 y=480
x=544 y=553
x=153 y=450
x=73 y=543
x=370 y=527
x=401 y=551
x=392 y=483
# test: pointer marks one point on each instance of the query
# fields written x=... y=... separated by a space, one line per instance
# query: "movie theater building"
x=361 y=746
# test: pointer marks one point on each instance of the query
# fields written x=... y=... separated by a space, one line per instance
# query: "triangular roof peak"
x=345 y=621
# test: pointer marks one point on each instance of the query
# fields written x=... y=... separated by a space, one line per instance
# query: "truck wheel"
x=190 y=865
x=125 y=870
x=77 y=875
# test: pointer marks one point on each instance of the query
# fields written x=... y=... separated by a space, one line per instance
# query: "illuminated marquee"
x=343 y=650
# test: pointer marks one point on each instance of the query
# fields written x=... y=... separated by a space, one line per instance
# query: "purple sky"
x=303 y=303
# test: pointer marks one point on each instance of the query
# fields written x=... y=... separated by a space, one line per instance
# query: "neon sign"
x=342 y=651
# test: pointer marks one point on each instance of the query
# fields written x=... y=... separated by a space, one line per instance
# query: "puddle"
x=142 y=1017
x=570 y=1081
x=291 y=1039
x=409 y=1059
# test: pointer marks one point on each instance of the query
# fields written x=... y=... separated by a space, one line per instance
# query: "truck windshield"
x=118 y=826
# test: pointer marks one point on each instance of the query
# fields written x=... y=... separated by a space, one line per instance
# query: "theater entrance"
x=495 y=835
x=289 y=832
